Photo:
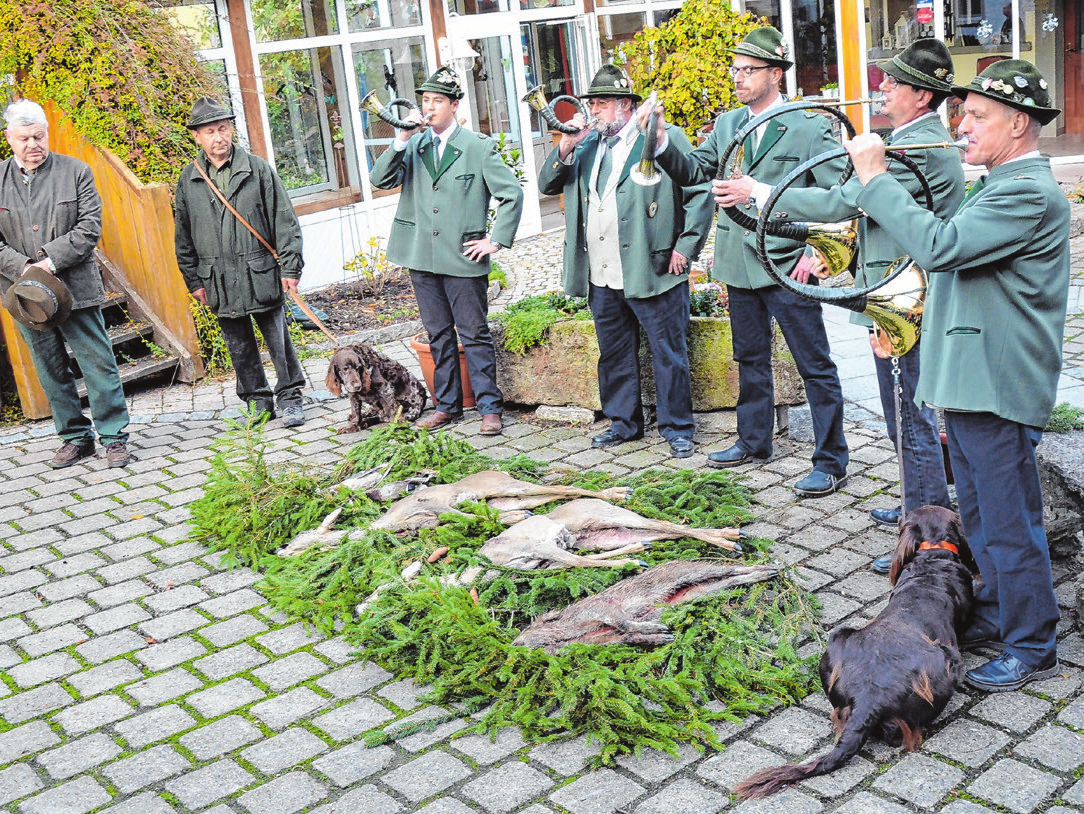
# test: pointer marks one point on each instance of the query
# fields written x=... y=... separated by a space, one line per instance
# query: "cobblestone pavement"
x=139 y=677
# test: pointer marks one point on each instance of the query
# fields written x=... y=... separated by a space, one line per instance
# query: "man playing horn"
x=628 y=250
x=759 y=63
x=916 y=82
x=992 y=334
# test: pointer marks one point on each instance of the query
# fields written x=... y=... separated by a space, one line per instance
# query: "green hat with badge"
x=765 y=43
x=611 y=83
x=925 y=64
x=1016 y=83
x=445 y=81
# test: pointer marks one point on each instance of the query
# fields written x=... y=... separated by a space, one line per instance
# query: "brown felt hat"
x=38 y=299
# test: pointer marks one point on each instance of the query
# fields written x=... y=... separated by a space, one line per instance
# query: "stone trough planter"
x=562 y=372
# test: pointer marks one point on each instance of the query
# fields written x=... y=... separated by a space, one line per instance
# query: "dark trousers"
x=85 y=331
x=665 y=320
x=751 y=312
x=252 y=383
x=451 y=306
x=1001 y=505
x=920 y=454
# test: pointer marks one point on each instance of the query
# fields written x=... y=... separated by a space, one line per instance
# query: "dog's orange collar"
x=945 y=544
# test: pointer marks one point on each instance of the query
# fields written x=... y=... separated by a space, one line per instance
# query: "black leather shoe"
x=886 y=517
x=735 y=456
x=610 y=438
x=682 y=447
x=819 y=484
x=1006 y=673
x=881 y=565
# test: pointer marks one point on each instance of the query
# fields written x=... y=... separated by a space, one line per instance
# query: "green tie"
x=975 y=189
x=606 y=164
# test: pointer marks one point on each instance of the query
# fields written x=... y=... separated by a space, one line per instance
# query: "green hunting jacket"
x=440 y=208
x=788 y=140
x=999 y=287
x=655 y=220
x=877 y=245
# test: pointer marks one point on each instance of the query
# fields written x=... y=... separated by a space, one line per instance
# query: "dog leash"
x=293 y=294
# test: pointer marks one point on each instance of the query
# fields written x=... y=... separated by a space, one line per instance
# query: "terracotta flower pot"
x=425 y=359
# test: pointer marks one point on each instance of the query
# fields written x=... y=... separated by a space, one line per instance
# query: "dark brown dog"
x=377 y=387
x=895 y=675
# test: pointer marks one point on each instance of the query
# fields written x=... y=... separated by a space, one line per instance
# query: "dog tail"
x=770 y=781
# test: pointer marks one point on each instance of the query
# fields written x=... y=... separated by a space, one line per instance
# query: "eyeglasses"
x=747 y=71
x=890 y=83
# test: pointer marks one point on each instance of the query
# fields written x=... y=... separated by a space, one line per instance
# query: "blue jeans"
x=85 y=331
x=921 y=456
x=252 y=383
x=751 y=312
x=1001 y=505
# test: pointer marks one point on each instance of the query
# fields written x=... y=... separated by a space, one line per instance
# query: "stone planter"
x=563 y=372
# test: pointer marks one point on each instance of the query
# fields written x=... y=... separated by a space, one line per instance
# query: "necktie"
x=437 y=147
x=606 y=164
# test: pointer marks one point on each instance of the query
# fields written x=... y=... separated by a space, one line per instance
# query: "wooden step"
x=137 y=371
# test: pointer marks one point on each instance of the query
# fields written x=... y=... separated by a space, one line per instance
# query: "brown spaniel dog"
x=895 y=675
x=378 y=388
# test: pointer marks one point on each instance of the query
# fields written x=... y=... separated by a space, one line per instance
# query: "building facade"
x=297 y=71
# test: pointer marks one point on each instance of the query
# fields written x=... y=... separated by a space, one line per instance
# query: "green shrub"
x=526 y=321
x=1065 y=418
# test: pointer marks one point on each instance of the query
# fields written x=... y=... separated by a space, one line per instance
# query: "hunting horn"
x=536 y=98
x=645 y=173
x=372 y=104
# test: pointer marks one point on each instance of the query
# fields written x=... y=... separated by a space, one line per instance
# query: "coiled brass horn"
x=645 y=173
x=373 y=105
x=536 y=98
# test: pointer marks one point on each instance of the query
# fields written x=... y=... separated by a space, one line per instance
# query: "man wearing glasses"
x=771 y=152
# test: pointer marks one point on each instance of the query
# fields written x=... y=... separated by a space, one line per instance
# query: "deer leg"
x=633 y=548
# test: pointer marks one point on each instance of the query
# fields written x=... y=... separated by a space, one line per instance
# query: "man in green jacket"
x=229 y=269
x=774 y=150
x=448 y=175
x=628 y=248
x=991 y=336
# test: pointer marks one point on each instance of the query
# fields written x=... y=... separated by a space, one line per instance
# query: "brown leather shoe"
x=435 y=420
x=491 y=424
x=117 y=455
x=70 y=454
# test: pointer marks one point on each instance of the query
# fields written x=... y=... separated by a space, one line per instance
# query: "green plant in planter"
x=708 y=300
x=526 y=322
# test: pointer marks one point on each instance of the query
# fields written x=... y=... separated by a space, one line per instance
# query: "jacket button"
x=36 y=227
x=435 y=187
x=41 y=253
x=435 y=233
x=746 y=232
x=435 y=210
x=601 y=237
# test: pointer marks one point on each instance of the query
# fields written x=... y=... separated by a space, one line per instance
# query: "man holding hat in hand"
x=50 y=222
x=448 y=175
x=991 y=335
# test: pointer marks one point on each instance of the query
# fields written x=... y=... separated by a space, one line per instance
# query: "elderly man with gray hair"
x=50 y=222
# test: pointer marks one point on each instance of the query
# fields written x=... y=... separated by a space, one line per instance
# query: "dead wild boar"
x=630 y=611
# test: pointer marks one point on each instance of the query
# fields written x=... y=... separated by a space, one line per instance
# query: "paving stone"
x=104 y=677
x=426 y=775
x=18 y=603
x=224 y=697
x=220 y=737
x=349 y=720
x=57 y=638
x=68 y=588
x=156 y=725
x=866 y=803
x=77 y=756
x=967 y=741
x=164 y=687
x=283 y=751
x=164 y=655
x=285 y=639
x=146 y=768
x=919 y=779
x=1055 y=746
x=842 y=780
x=233 y=630
x=177 y=575
x=173 y=624
x=183 y=596
x=204 y=786
x=1015 y=711
x=103 y=648
x=126 y=570
x=118 y=594
x=484 y=750
x=366 y=800
x=1015 y=785
x=793 y=731
x=404 y=694
x=92 y=714
x=145 y=803
x=684 y=796
x=739 y=761
x=18 y=781
x=56 y=614
x=449 y=805
x=346 y=766
x=231 y=661
x=34 y=703
x=1075 y=794
x=655 y=766
x=76 y=797
x=284 y=795
x=116 y=618
x=25 y=740
x=337 y=649
x=229 y=581
x=354 y=679
x=49 y=668
x=965 y=807
x=507 y=787
x=600 y=792
x=286 y=672
x=426 y=738
x=22 y=581
x=566 y=757
x=233 y=603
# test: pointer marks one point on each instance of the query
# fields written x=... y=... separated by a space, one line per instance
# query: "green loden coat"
x=655 y=220
x=999 y=287
x=788 y=140
x=442 y=207
x=877 y=245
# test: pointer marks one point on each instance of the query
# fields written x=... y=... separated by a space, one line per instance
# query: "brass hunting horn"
x=536 y=98
x=372 y=104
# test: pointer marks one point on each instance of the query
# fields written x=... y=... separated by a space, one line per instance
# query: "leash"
x=897 y=393
x=293 y=294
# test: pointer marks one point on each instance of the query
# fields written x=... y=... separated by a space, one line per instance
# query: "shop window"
x=276 y=20
x=367 y=15
x=393 y=68
x=616 y=29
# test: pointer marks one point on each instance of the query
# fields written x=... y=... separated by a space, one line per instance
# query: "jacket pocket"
x=402 y=222
x=205 y=271
x=465 y=180
x=264 y=276
x=963 y=330
x=785 y=158
x=474 y=235
x=65 y=216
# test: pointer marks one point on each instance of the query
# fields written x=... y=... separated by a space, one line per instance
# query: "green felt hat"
x=1016 y=83
x=207 y=110
x=445 y=81
x=925 y=64
x=767 y=44
x=611 y=82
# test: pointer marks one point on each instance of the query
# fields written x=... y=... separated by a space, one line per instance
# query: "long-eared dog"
x=895 y=675
x=377 y=387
